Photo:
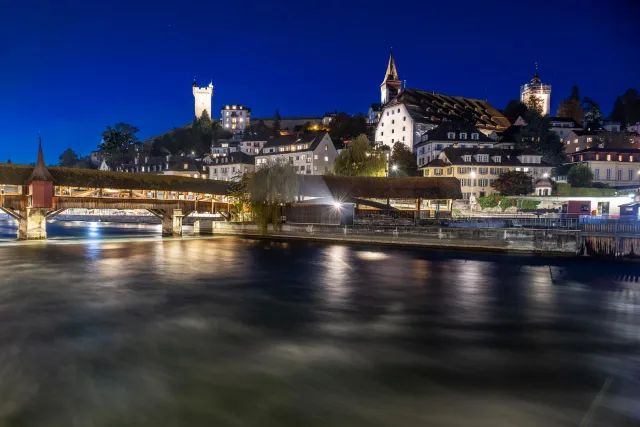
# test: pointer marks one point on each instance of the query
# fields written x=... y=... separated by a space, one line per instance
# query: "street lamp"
x=394 y=167
x=472 y=199
x=545 y=175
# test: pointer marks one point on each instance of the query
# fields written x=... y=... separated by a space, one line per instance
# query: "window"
x=315 y=157
x=382 y=124
x=631 y=158
x=463 y=135
x=462 y=171
x=575 y=141
x=484 y=171
x=404 y=128
x=392 y=140
x=483 y=182
x=426 y=172
x=403 y=138
x=297 y=157
x=326 y=158
x=497 y=159
x=326 y=147
x=474 y=136
x=393 y=131
x=608 y=157
x=393 y=112
x=437 y=172
x=608 y=173
x=381 y=133
x=483 y=157
x=404 y=119
x=466 y=157
x=525 y=169
x=619 y=174
x=438 y=146
x=630 y=175
x=619 y=157
x=596 y=173
x=387 y=113
x=451 y=135
x=393 y=121
x=315 y=168
x=449 y=171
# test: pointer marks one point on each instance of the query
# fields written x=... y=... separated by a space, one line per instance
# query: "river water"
x=238 y=332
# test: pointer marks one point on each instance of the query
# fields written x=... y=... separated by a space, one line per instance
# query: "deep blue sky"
x=69 y=68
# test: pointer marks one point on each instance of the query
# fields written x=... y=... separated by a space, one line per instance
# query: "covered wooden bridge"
x=31 y=195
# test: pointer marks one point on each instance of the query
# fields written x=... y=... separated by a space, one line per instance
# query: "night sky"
x=69 y=68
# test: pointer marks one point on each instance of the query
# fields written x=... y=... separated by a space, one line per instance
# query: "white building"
x=202 y=97
x=235 y=118
x=310 y=154
x=231 y=167
x=450 y=134
x=539 y=90
x=562 y=126
x=253 y=142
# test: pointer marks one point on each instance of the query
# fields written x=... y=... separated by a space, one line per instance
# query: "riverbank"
x=555 y=242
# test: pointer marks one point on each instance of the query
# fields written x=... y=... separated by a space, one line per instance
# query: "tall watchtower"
x=538 y=90
x=202 y=97
x=391 y=85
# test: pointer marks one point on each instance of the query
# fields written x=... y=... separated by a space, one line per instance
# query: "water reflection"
x=227 y=331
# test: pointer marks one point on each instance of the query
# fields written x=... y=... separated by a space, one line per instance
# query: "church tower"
x=391 y=85
x=202 y=97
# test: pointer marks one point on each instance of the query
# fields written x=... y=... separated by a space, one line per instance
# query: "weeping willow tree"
x=271 y=187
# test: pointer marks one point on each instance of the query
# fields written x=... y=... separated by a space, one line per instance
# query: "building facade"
x=235 y=118
x=253 y=142
x=617 y=167
x=478 y=168
x=231 y=167
x=202 y=97
x=310 y=154
x=562 y=126
x=537 y=89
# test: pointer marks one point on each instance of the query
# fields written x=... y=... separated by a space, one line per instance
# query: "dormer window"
x=475 y=136
x=483 y=157
x=451 y=135
x=466 y=157
x=497 y=159
x=463 y=135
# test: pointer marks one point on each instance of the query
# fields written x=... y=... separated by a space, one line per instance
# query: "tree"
x=570 y=107
x=514 y=109
x=360 y=159
x=612 y=140
x=580 y=176
x=403 y=159
x=513 y=183
x=537 y=135
x=276 y=123
x=344 y=126
x=68 y=158
x=239 y=194
x=204 y=122
x=534 y=103
x=592 y=114
x=626 y=109
x=270 y=187
x=119 y=137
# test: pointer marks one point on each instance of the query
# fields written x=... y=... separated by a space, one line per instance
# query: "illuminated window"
x=315 y=157
x=631 y=158
x=326 y=147
x=186 y=166
x=608 y=157
x=326 y=158
x=195 y=175
x=619 y=157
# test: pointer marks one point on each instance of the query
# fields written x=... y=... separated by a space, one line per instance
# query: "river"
x=140 y=331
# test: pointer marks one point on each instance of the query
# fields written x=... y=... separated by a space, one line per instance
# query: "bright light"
x=545 y=175
x=394 y=167
x=473 y=174
x=337 y=205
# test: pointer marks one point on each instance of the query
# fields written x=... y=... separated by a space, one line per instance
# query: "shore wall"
x=504 y=240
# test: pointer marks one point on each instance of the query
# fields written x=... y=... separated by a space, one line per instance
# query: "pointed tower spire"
x=392 y=72
x=40 y=172
x=536 y=77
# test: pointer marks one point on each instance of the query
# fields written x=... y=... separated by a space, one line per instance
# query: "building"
x=235 y=118
x=391 y=85
x=373 y=115
x=166 y=165
x=450 y=134
x=539 y=90
x=633 y=128
x=581 y=139
x=611 y=126
x=310 y=154
x=561 y=126
x=231 y=167
x=411 y=114
x=202 y=97
x=478 y=168
x=223 y=147
x=617 y=167
x=252 y=142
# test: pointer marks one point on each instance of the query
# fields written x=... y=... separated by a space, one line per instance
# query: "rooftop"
x=455 y=157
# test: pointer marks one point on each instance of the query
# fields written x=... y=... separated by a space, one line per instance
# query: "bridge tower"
x=32 y=223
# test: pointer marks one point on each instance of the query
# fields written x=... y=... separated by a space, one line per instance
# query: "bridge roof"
x=12 y=174
x=343 y=188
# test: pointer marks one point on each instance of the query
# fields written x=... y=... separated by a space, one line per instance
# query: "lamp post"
x=472 y=199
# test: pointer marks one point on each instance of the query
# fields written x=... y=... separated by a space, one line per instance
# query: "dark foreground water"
x=235 y=332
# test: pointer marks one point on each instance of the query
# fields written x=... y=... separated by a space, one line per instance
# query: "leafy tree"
x=513 y=183
x=68 y=158
x=570 y=107
x=404 y=160
x=360 y=159
x=204 y=122
x=626 y=109
x=592 y=114
x=270 y=187
x=534 y=103
x=537 y=135
x=514 y=109
x=239 y=195
x=619 y=113
x=580 y=176
x=276 y=123
x=344 y=126
x=119 y=137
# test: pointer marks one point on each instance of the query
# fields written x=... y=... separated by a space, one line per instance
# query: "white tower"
x=539 y=90
x=202 y=96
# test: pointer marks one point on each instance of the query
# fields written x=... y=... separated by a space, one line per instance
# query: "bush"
x=488 y=201
x=506 y=203
x=528 y=205
x=567 y=190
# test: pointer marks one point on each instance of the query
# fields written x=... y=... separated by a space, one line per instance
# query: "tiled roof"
x=233 y=158
x=435 y=108
x=608 y=150
x=454 y=157
x=311 y=138
x=441 y=133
